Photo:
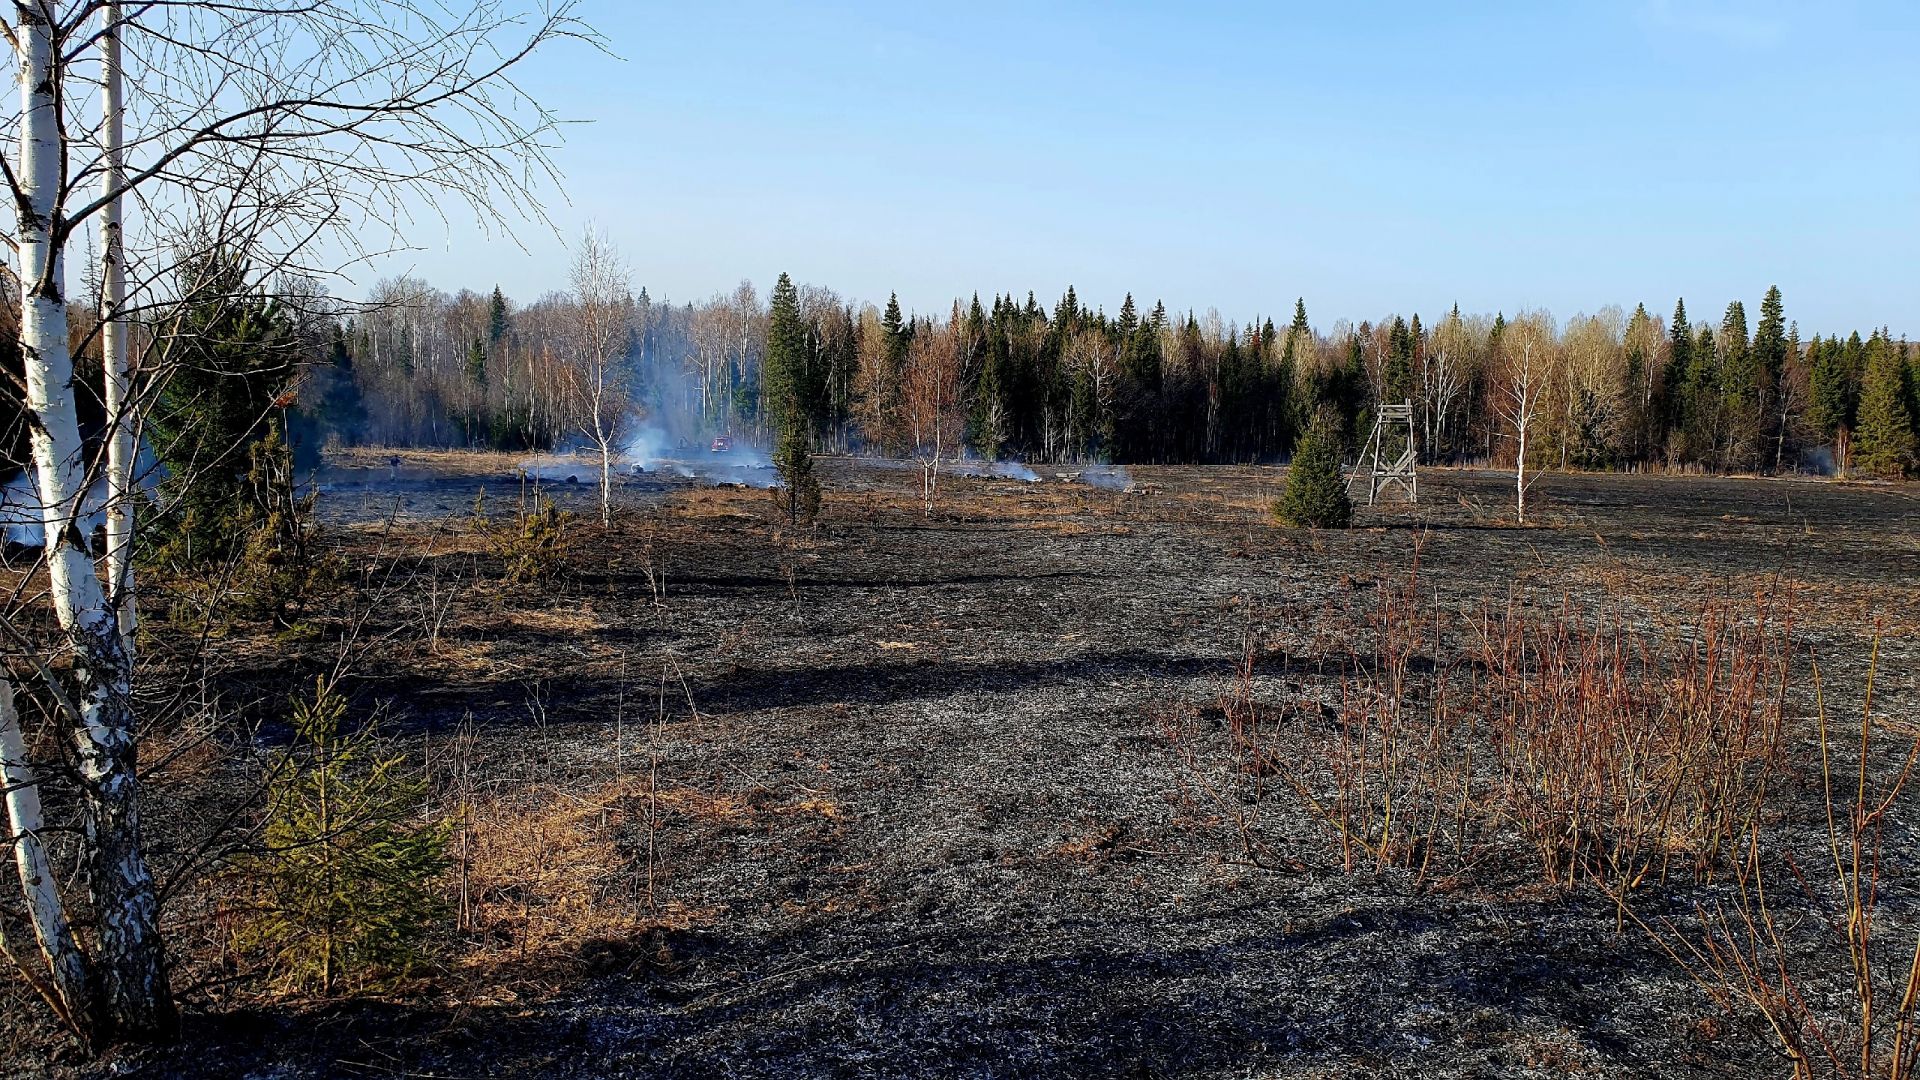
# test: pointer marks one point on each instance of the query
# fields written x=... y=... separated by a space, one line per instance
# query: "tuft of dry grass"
x=545 y=875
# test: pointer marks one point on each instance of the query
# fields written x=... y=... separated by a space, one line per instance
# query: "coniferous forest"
x=1073 y=382
x=1069 y=383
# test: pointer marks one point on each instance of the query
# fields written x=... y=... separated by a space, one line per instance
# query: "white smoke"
x=1106 y=477
x=1005 y=470
x=651 y=449
x=22 y=520
x=668 y=435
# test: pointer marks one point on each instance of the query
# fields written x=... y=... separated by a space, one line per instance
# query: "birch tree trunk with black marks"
x=67 y=979
x=132 y=964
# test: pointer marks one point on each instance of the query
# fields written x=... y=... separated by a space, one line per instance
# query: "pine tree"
x=1886 y=442
x=1316 y=495
x=345 y=885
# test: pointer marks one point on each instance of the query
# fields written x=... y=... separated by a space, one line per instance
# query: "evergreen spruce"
x=1679 y=366
x=331 y=405
x=783 y=382
x=346 y=883
x=477 y=362
x=1704 y=410
x=1316 y=495
x=1834 y=394
x=1886 y=442
x=1768 y=366
x=1397 y=380
x=798 y=496
x=497 y=316
x=1742 y=390
x=237 y=358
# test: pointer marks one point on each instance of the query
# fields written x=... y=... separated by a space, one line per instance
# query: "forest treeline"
x=1010 y=378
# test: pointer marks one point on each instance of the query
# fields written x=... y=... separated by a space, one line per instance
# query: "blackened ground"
x=996 y=872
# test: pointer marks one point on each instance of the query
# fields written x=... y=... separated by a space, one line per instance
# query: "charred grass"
x=1056 y=780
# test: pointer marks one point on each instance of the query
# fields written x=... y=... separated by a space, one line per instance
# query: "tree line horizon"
x=417 y=367
x=1074 y=384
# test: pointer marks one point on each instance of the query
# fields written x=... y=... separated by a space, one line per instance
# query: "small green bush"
x=1316 y=495
x=534 y=545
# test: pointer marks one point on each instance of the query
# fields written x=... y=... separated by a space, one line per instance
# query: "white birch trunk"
x=606 y=480
x=132 y=965
x=113 y=339
x=1520 y=472
x=69 y=977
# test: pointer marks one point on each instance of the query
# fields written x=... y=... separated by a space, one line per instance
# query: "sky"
x=1369 y=157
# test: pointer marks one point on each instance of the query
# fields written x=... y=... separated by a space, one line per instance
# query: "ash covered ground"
x=959 y=841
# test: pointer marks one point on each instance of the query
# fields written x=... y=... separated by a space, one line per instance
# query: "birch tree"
x=930 y=396
x=1094 y=356
x=287 y=122
x=1446 y=369
x=602 y=322
x=1525 y=361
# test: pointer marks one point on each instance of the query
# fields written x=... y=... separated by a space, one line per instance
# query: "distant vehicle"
x=722 y=444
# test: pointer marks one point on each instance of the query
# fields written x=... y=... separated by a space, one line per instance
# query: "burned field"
x=969 y=793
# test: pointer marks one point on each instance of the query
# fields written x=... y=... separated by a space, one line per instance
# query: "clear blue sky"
x=1372 y=157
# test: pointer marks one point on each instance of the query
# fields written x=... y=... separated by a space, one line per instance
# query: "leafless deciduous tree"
x=598 y=347
x=931 y=398
x=1094 y=356
x=1449 y=365
x=1525 y=364
x=282 y=122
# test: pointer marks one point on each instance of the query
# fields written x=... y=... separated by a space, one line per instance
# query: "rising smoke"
x=22 y=511
x=1106 y=477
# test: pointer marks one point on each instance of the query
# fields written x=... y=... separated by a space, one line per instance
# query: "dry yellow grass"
x=548 y=880
x=542 y=875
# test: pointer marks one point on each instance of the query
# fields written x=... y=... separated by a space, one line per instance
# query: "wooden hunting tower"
x=1388 y=457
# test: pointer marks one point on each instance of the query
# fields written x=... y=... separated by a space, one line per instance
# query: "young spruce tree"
x=235 y=362
x=346 y=880
x=798 y=495
x=1316 y=495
